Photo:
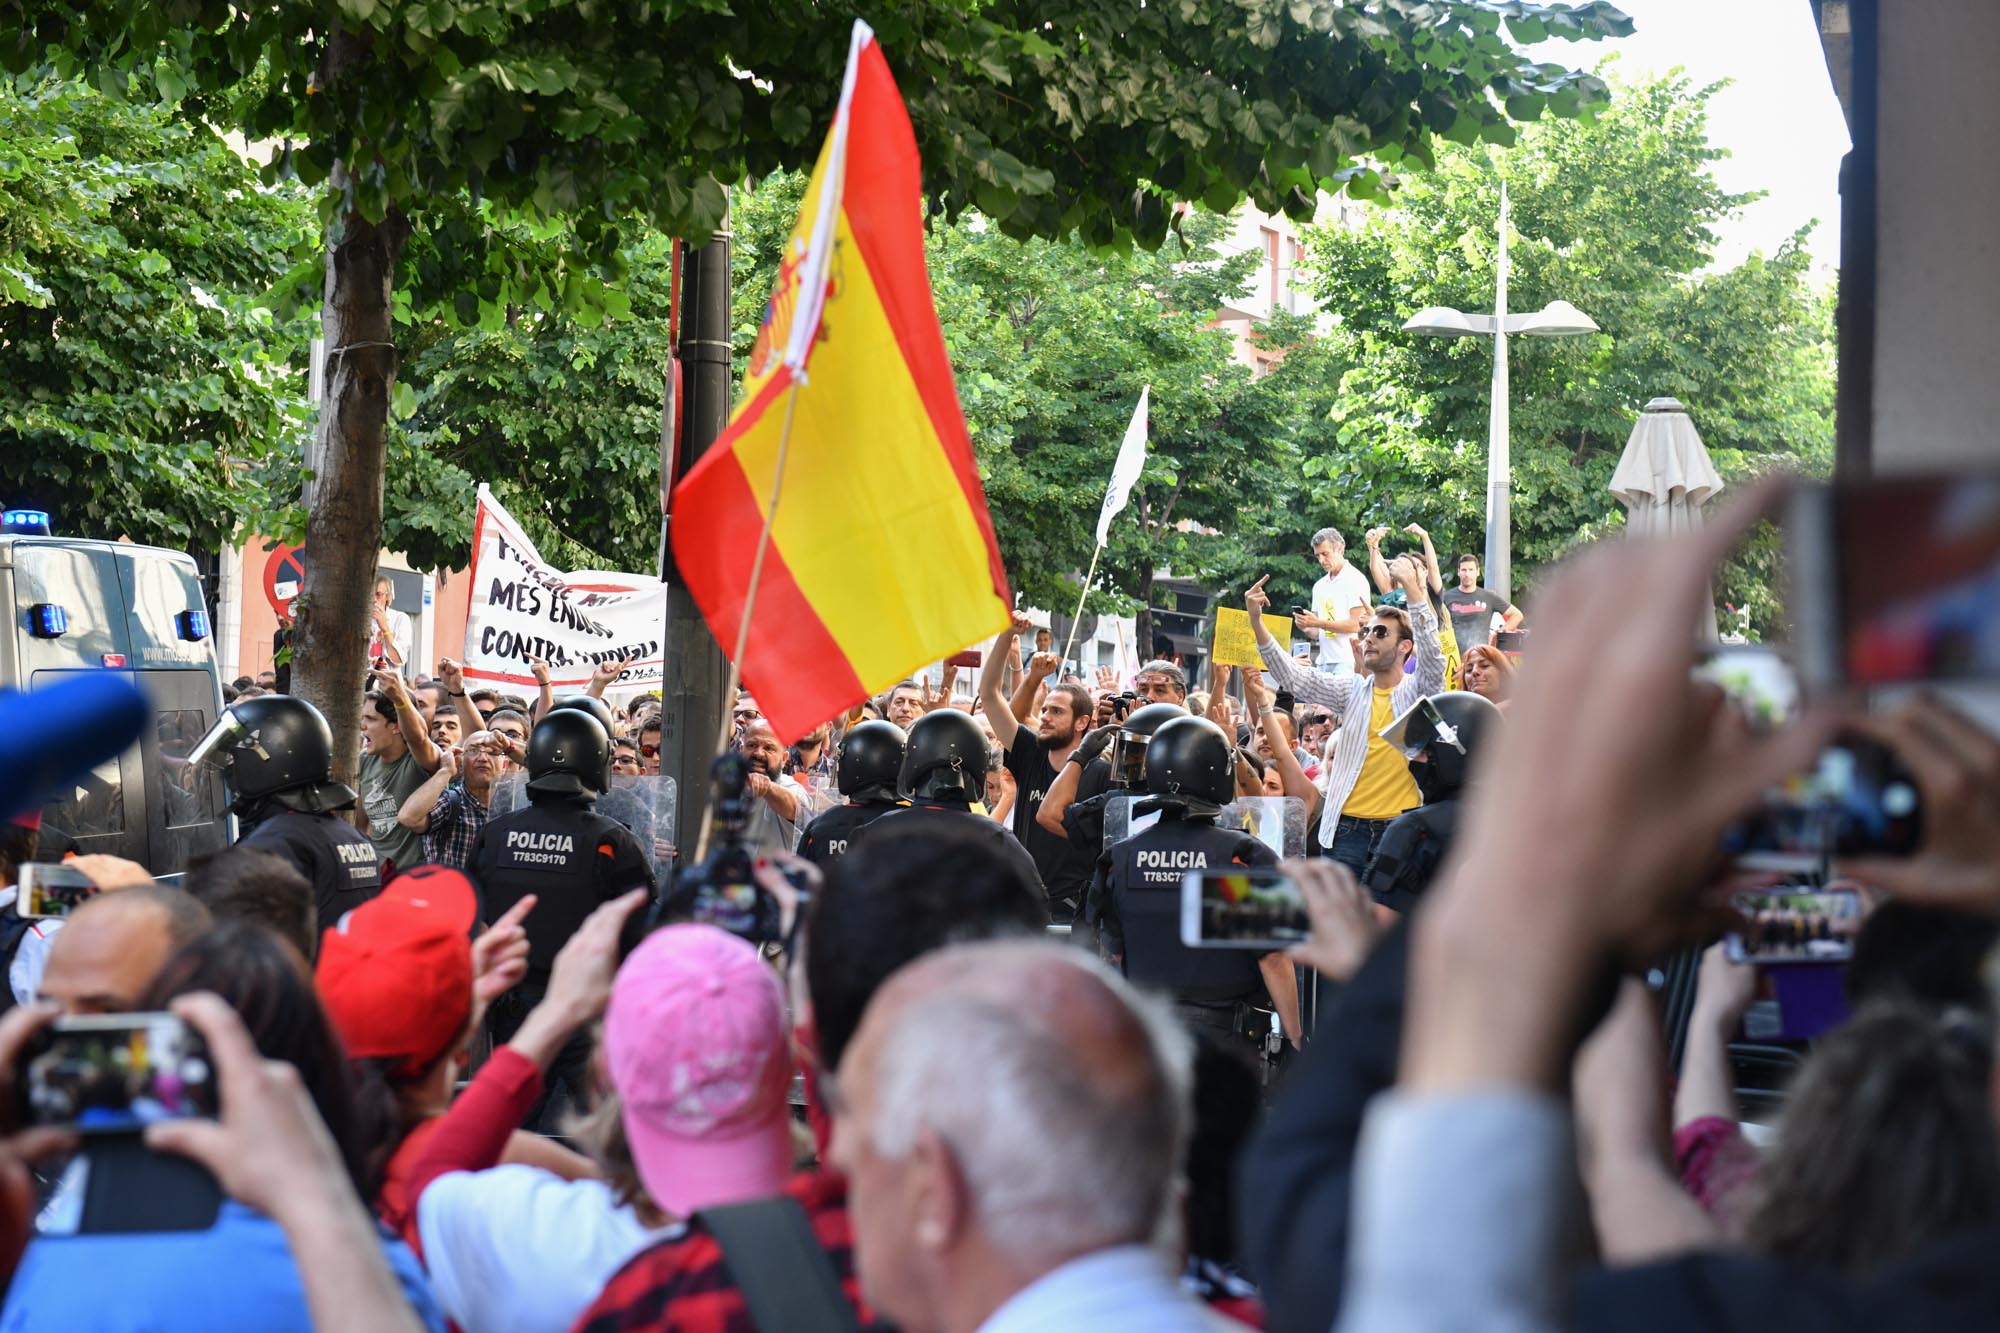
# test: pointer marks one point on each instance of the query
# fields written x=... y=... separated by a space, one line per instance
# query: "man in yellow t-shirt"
x=1368 y=780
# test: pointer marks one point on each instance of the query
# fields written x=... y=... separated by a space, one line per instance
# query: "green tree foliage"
x=1047 y=117
x=608 y=114
x=558 y=412
x=140 y=371
x=1617 y=217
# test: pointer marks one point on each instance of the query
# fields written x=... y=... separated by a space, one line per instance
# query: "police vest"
x=335 y=856
x=566 y=854
x=1409 y=853
x=825 y=839
x=1143 y=887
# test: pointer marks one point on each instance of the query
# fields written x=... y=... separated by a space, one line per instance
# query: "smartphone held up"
x=1896 y=580
x=46 y=891
x=1797 y=924
x=1258 y=909
x=115 y=1073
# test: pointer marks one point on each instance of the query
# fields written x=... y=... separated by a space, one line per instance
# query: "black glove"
x=1094 y=744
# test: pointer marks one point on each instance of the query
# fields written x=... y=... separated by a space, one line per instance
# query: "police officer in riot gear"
x=570 y=857
x=1190 y=772
x=944 y=771
x=1439 y=736
x=276 y=756
x=871 y=766
x=1121 y=773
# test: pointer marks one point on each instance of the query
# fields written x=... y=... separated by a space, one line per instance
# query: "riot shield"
x=1279 y=822
x=649 y=806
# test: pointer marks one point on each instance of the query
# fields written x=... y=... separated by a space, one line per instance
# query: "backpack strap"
x=13 y=929
x=776 y=1261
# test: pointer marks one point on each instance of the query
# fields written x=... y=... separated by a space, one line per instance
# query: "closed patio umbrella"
x=1664 y=476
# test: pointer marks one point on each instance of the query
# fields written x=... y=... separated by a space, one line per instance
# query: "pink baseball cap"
x=696 y=1044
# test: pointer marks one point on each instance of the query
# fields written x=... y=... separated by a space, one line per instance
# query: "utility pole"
x=692 y=706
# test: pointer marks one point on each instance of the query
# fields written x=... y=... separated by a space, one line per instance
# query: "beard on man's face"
x=1056 y=739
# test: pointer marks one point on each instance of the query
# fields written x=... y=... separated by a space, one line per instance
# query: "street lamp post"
x=1558 y=319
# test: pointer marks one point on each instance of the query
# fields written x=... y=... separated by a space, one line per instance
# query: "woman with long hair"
x=1487 y=672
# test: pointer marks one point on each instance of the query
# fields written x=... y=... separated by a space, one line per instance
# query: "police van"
x=78 y=605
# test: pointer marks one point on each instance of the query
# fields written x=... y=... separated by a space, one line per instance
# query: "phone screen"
x=51 y=890
x=113 y=1073
x=1914 y=564
x=1795 y=925
x=1857 y=800
x=1242 y=909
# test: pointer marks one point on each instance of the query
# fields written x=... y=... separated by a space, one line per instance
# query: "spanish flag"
x=881 y=556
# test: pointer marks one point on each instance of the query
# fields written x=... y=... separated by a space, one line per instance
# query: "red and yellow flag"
x=882 y=555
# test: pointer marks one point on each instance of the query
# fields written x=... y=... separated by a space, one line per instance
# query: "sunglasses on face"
x=650 y=751
x=1375 y=631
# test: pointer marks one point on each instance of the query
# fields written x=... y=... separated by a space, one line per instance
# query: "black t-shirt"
x=1064 y=866
x=1472 y=614
x=337 y=857
x=569 y=856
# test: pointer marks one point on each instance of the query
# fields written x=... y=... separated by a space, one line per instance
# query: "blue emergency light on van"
x=26 y=523
x=192 y=625
x=46 y=620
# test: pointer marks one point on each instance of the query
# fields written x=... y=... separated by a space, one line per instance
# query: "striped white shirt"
x=1348 y=699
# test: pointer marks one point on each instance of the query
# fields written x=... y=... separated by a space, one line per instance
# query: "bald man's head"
x=1005 y=1107
x=110 y=947
x=761 y=746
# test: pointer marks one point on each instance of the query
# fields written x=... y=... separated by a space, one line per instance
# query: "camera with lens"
x=1124 y=703
x=722 y=891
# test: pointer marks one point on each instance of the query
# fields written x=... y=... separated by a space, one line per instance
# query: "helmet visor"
x=1128 y=760
x=214 y=748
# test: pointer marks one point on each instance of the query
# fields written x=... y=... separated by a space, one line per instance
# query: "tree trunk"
x=344 y=496
x=1142 y=623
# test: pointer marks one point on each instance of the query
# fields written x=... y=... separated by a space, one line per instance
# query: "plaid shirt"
x=455 y=821
x=681 y=1283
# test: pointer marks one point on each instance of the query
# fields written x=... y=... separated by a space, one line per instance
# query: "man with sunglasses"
x=649 y=745
x=1368 y=781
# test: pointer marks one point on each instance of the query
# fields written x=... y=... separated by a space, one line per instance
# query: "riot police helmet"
x=1447 y=729
x=1128 y=747
x=871 y=760
x=276 y=748
x=592 y=705
x=569 y=754
x=946 y=759
x=1191 y=758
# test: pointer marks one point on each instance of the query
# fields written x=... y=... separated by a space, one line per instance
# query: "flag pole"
x=749 y=605
x=1078 y=618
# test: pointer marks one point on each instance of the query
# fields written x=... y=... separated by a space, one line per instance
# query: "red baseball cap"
x=395 y=974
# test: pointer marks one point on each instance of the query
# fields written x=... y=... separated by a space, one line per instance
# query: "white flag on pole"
x=1131 y=461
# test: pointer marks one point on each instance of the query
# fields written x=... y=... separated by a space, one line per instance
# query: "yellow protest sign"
x=1235 y=645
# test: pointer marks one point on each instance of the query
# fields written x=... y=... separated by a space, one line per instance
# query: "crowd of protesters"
x=483 y=1062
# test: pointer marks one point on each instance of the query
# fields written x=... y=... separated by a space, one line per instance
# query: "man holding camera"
x=1035 y=758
